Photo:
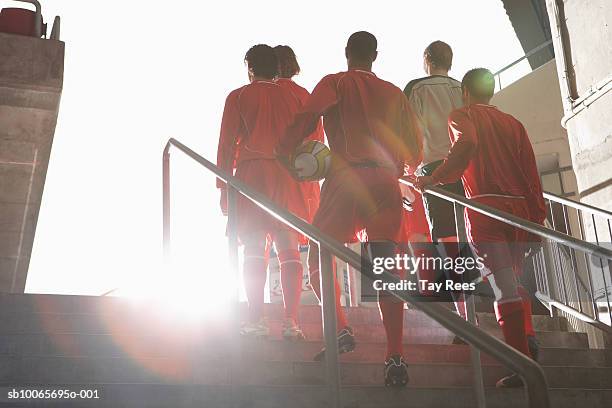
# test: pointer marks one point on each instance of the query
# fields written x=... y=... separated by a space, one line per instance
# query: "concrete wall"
x=587 y=32
x=31 y=78
x=535 y=100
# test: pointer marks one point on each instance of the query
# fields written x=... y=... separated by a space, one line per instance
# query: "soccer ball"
x=312 y=161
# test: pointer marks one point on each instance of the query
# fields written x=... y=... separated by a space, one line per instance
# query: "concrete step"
x=107 y=308
x=187 y=396
x=142 y=346
x=53 y=324
x=83 y=370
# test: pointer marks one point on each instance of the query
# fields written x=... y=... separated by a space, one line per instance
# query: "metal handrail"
x=578 y=205
x=524 y=57
x=37 y=16
x=532 y=373
x=544 y=298
x=537 y=229
x=519 y=222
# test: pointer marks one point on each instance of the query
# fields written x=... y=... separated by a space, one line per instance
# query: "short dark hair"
x=262 y=60
x=439 y=54
x=362 y=46
x=479 y=82
x=287 y=62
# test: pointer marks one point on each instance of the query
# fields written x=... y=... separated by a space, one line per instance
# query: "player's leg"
x=509 y=306
x=286 y=242
x=254 y=276
x=336 y=218
x=383 y=229
x=441 y=218
x=534 y=347
x=510 y=313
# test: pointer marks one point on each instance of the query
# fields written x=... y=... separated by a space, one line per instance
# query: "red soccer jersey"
x=366 y=120
x=492 y=153
x=302 y=94
x=254 y=121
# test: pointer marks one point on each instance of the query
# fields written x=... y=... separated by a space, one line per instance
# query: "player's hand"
x=411 y=178
x=223 y=201
x=423 y=182
x=285 y=161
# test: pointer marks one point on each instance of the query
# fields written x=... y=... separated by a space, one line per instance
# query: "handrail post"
x=166 y=202
x=328 y=311
x=232 y=235
x=470 y=311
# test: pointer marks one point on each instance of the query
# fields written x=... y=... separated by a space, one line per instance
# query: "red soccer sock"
x=461 y=307
x=392 y=313
x=529 y=331
x=254 y=275
x=510 y=316
x=291 y=281
x=313 y=267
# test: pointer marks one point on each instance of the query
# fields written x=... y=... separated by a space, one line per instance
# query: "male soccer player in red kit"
x=492 y=153
x=254 y=121
x=372 y=134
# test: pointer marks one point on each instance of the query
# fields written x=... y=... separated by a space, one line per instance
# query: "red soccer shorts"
x=503 y=244
x=274 y=181
x=355 y=198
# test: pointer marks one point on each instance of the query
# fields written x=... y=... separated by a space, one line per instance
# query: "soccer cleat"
x=259 y=329
x=396 y=372
x=346 y=343
x=511 y=381
x=291 y=331
x=534 y=347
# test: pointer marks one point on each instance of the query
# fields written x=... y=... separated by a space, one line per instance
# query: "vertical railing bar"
x=559 y=272
x=557 y=250
x=166 y=204
x=477 y=377
x=332 y=371
x=572 y=253
x=587 y=261
x=232 y=235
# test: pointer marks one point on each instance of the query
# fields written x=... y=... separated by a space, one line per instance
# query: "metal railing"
x=536 y=385
x=566 y=277
x=559 y=173
x=534 y=51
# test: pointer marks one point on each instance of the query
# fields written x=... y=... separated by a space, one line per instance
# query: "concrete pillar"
x=31 y=78
x=581 y=34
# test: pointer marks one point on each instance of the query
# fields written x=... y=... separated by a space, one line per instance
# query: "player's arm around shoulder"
x=305 y=122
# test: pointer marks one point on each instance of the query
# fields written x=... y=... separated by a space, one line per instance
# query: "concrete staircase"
x=141 y=355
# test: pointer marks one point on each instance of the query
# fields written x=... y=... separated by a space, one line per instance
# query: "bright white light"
x=139 y=72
